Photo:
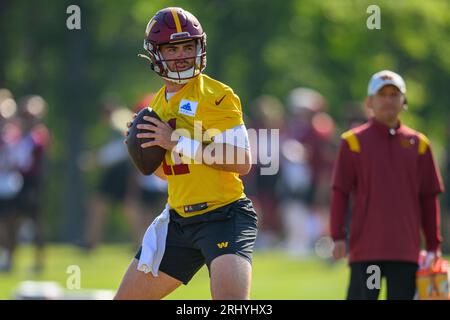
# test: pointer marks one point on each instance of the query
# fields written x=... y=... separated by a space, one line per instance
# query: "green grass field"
x=275 y=275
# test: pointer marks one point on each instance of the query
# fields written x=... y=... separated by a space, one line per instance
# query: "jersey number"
x=176 y=169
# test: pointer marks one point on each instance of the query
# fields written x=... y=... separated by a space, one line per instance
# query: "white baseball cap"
x=384 y=78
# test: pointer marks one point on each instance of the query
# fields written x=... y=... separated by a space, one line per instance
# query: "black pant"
x=400 y=278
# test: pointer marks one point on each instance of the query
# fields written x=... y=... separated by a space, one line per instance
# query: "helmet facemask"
x=160 y=65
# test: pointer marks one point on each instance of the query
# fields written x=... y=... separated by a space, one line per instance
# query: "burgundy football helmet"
x=174 y=25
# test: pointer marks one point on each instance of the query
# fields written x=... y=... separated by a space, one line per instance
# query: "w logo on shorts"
x=222 y=245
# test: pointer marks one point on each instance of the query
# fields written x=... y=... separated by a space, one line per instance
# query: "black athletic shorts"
x=193 y=241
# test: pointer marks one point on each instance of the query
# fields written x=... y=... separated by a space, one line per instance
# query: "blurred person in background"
x=292 y=188
x=141 y=197
x=36 y=138
x=24 y=141
x=10 y=178
x=310 y=133
x=355 y=114
x=267 y=114
x=116 y=178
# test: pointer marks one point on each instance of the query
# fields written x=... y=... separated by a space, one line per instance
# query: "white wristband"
x=237 y=136
x=187 y=147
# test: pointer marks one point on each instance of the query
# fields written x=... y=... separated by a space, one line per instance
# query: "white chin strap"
x=180 y=77
x=184 y=81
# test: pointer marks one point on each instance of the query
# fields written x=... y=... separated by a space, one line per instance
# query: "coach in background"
x=389 y=171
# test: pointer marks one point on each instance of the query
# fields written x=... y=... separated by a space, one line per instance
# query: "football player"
x=211 y=221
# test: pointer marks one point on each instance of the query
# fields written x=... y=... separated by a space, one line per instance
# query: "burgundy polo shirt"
x=392 y=180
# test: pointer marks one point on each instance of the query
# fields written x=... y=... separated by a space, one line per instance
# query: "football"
x=147 y=160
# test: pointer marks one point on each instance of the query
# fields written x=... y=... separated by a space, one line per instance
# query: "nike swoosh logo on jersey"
x=219 y=101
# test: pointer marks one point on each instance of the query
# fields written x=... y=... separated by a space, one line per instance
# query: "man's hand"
x=340 y=249
x=160 y=131
x=430 y=258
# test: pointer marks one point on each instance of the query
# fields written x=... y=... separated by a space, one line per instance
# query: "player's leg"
x=401 y=280
x=137 y=285
x=227 y=245
x=179 y=264
x=231 y=277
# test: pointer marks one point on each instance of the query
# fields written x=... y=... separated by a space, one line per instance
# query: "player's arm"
x=229 y=151
x=220 y=154
x=225 y=157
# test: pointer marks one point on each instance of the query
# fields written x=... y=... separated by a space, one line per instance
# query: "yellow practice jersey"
x=212 y=107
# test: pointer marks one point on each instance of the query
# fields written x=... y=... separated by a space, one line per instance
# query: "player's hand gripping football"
x=161 y=132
